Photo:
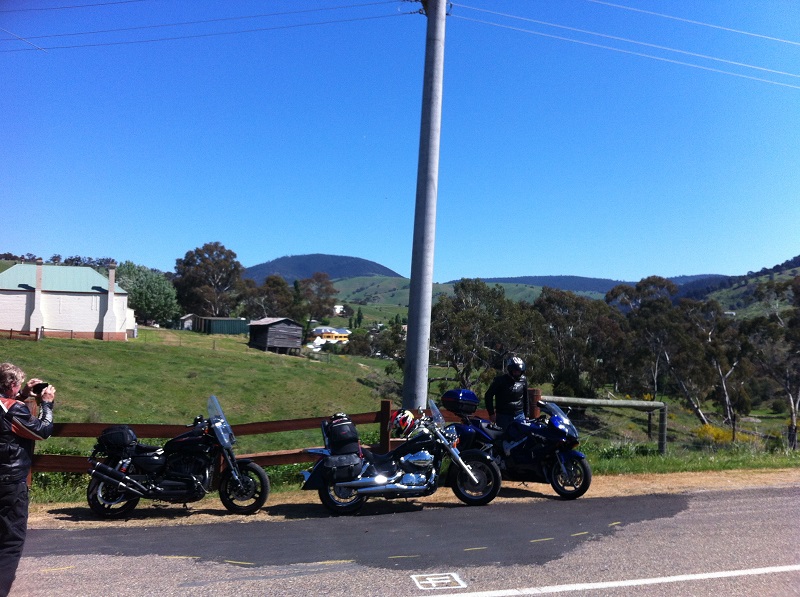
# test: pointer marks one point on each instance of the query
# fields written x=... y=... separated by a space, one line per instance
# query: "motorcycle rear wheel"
x=577 y=480
x=341 y=500
x=488 y=486
x=251 y=496
x=108 y=502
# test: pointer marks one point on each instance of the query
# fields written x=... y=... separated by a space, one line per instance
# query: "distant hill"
x=570 y=283
x=364 y=282
x=298 y=267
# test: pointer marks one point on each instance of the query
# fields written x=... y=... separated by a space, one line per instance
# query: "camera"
x=39 y=388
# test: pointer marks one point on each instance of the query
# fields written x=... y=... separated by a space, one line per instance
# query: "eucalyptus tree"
x=584 y=337
x=208 y=280
x=272 y=299
x=775 y=340
x=477 y=327
x=665 y=347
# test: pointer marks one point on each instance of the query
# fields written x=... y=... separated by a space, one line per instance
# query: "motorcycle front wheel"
x=577 y=480
x=251 y=495
x=487 y=487
x=341 y=500
x=107 y=501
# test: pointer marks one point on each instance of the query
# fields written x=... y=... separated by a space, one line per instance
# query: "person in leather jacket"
x=507 y=397
x=19 y=429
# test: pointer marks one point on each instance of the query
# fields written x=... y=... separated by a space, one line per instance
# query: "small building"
x=187 y=321
x=217 y=325
x=332 y=335
x=65 y=301
x=276 y=334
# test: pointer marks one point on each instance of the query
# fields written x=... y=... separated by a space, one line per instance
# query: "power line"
x=215 y=34
x=207 y=21
x=68 y=7
x=631 y=52
x=663 y=16
x=632 y=41
x=22 y=39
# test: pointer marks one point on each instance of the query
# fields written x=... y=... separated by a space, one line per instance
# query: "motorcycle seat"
x=146 y=449
x=376 y=459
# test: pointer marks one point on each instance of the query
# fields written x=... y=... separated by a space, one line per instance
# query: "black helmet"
x=515 y=363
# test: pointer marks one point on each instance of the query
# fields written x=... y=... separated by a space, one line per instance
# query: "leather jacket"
x=19 y=429
x=511 y=395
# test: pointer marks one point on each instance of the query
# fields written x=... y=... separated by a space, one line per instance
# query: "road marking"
x=474 y=548
x=400 y=557
x=334 y=562
x=57 y=569
x=182 y=557
x=630 y=583
x=239 y=563
x=444 y=580
x=579 y=534
x=613 y=524
x=545 y=539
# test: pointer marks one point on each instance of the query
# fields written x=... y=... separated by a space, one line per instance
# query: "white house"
x=64 y=301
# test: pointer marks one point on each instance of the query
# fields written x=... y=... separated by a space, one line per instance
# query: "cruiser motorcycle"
x=346 y=474
x=185 y=469
x=540 y=450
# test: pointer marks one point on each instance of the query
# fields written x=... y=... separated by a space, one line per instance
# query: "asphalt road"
x=707 y=543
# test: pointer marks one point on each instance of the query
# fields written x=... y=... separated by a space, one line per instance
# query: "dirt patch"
x=297 y=505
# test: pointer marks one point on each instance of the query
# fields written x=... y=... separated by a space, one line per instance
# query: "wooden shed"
x=277 y=334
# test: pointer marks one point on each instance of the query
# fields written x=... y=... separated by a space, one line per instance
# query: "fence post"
x=662 y=430
x=534 y=396
x=383 y=421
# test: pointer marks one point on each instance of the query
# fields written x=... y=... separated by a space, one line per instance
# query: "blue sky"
x=296 y=130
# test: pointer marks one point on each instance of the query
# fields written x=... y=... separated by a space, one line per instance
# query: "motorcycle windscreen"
x=219 y=423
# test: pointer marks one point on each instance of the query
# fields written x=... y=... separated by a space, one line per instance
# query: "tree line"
x=642 y=340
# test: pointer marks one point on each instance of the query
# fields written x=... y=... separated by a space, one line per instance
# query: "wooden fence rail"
x=78 y=464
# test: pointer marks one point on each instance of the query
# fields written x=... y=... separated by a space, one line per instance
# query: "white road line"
x=628 y=583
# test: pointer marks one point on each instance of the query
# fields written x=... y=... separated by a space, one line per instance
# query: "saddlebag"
x=116 y=440
x=341 y=467
x=341 y=435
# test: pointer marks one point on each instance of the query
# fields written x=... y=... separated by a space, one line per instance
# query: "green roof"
x=56 y=278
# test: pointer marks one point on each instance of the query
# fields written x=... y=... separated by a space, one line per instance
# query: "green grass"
x=166 y=376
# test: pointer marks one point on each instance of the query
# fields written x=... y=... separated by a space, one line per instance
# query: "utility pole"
x=415 y=377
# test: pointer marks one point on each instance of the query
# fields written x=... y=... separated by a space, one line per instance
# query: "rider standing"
x=507 y=397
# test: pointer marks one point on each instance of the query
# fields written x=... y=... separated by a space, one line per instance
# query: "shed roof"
x=57 y=278
x=271 y=320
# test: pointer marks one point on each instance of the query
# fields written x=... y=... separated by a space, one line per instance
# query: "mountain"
x=296 y=267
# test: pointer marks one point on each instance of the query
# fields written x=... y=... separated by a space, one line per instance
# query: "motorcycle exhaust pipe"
x=114 y=477
x=120 y=485
x=378 y=482
x=392 y=487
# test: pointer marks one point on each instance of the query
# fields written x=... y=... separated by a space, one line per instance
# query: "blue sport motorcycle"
x=540 y=450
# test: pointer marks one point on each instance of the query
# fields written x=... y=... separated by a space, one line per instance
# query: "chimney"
x=37 y=317
x=110 y=318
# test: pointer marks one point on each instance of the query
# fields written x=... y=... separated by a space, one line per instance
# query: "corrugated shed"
x=56 y=278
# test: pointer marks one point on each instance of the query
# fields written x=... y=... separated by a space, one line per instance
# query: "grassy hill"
x=384 y=290
x=167 y=376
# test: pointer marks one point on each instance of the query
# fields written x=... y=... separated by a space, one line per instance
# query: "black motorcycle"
x=186 y=469
x=347 y=474
x=540 y=450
